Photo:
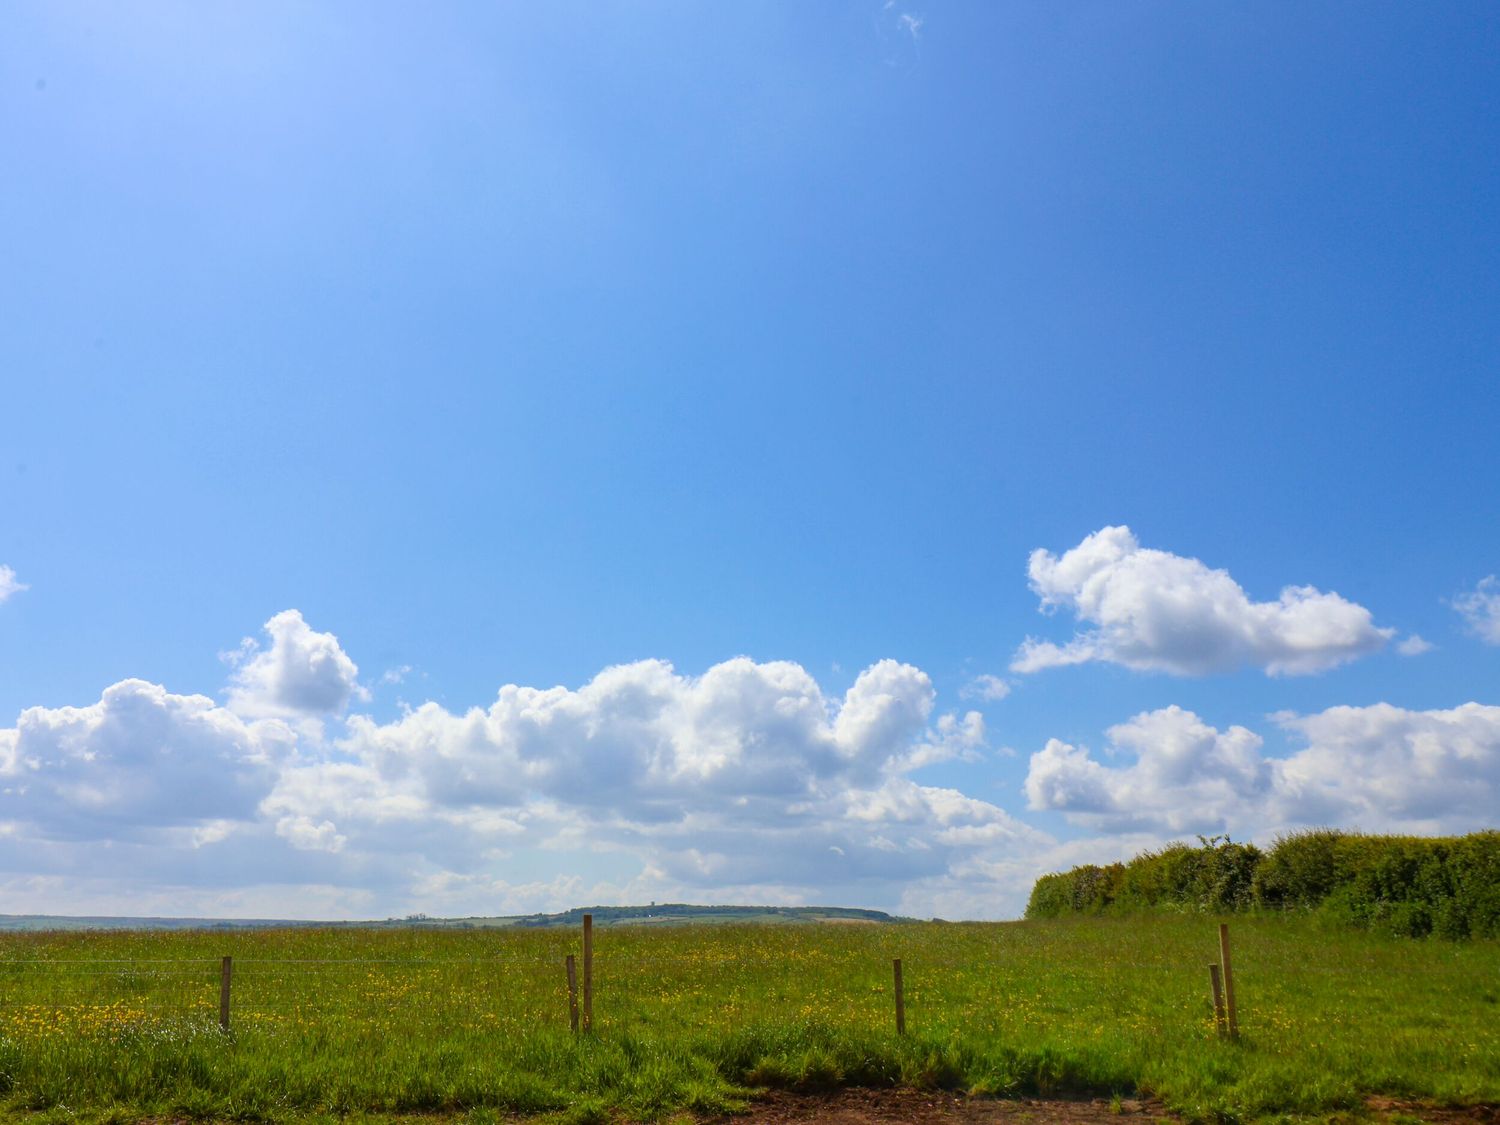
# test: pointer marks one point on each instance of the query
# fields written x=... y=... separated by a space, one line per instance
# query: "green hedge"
x=1411 y=886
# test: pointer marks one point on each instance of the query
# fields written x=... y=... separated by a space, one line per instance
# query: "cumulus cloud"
x=745 y=775
x=1414 y=645
x=9 y=583
x=139 y=760
x=951 y=738
x=1480 y=609
x=746 y=782
x=1155 y=611
x=1389 y=769
x=1380 y=768
x=302 y=673
x=1186 y=775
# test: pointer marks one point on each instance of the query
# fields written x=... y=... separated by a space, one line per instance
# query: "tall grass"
x=694 y=1018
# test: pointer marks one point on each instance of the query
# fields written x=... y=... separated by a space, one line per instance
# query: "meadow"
x=474 y=1023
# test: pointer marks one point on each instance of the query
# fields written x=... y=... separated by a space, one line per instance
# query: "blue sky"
x=511 y=344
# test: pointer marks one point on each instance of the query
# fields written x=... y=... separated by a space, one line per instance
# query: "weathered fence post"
x=1217 y=991
x=1231 y=1017
x=588 y=972
x=226 y=969
x=573 y=994
x=900 y=999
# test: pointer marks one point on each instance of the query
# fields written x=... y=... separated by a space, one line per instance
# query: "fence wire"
x=714 y=991
x=513 y=992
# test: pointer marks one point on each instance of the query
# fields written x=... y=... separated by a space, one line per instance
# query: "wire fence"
x=710 y=989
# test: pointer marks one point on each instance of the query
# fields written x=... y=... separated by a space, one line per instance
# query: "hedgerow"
x=1410 y=886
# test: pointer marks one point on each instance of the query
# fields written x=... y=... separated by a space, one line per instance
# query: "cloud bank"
x=1379 y=768
x=1155 y=611
x=747 y=781
x=744 y=778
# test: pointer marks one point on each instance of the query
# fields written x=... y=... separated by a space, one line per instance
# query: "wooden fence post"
x=573 y=994
x=1217 y=992
x=1231 y=1017
x=226 y=969
x=588 y=972
x=900 y=999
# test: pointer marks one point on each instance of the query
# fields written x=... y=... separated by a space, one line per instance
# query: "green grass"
x=123 y=1025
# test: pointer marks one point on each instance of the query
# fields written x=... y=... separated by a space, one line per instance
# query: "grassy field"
x=123 y=1025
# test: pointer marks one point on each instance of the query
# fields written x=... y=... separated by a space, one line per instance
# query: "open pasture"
x=124 y=1025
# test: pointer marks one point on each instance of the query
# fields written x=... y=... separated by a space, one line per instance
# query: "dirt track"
x=916 y=1107
x=919 y=1107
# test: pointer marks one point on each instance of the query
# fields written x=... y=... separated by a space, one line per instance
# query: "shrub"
x=1408 y=886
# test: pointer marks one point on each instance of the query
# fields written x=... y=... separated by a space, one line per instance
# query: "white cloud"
x=1155 y=611
x=303 y=834
x=745 y=775
x=1186 y=775
x=1414 y=645
x=303 y=673
x=745 y=782
x=951 y=738
x=211 y=832
x=887 y=707
x=1480 y=609
x=9 y=583
x=997 y=883
x=1389 y=769
x=986 y=687
x=1380 y=768
x=140 y=760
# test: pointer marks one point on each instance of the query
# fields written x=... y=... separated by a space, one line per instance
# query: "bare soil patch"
x=1396 y=1111
x=930 y=1107
x=924 y=1107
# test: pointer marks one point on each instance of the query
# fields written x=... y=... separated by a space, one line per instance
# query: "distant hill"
x=668 y=913
x=654 y=914
x=14 y=922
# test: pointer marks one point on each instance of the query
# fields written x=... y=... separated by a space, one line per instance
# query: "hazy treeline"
x=605 y=915
x=1410 y=886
